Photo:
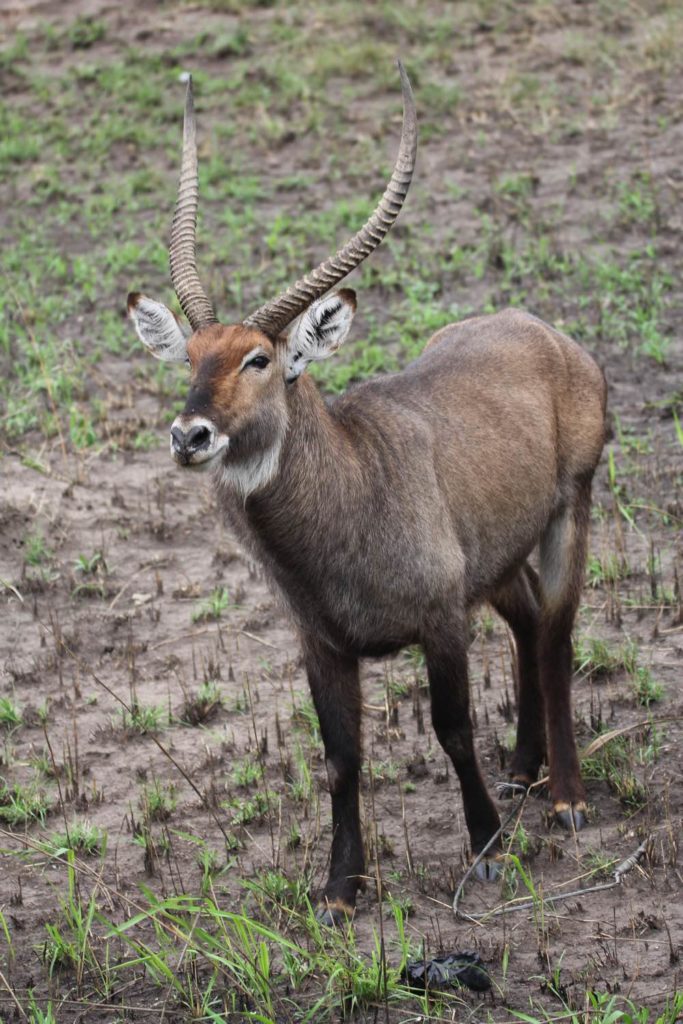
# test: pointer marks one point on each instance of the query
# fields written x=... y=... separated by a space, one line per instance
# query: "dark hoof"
x=334 y=913
x=571 y=817
x=489 y=868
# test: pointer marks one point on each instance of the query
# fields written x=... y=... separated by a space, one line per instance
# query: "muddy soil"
x=135 y=631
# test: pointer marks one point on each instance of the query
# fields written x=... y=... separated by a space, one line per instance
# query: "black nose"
x=196 y=439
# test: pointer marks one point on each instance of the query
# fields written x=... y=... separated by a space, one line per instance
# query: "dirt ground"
x=122 y=587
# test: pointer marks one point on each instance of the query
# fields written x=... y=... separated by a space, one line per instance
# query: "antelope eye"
x=260 y=362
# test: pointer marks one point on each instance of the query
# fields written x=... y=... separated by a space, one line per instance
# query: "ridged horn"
x=274 y=316
x=182 y=249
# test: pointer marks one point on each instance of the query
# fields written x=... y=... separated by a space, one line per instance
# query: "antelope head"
x=235 y=416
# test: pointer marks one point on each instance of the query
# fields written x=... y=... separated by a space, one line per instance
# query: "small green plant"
x=82 y=837
x=10 y=713
x=36 y=551
x=384 y=771
x=397 y=689
x=601 y=1008
x=607 y=569
x=38 y=1015
x=274 y=887
x=632 y=296
x=208 y=860
x=158 y=801
x=522 y=840
x=70 y=939
x=304 y=717
x=400 y=907
x=91 y=569
x=41 y=762
x=509 y=879
x=294 y=838
x=678 y=427
x=145 y=441
x=20 y=805
x=486 y=623
x=301 y=782
x=85 y=32
x=214 y=606
x=89 y=565
x=255 y=809
x=246 y=773
x=154 y=844
x=595 y=659
x=649 y=744
x=599 y=864
x=201 y=706
x=637 y=201
x=81 y=428
x=645 y=690
x=516 y=185
x=144 y=718
x=613 y=763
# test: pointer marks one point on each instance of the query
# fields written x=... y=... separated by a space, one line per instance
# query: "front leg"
x=446 y=654
x=335 y=688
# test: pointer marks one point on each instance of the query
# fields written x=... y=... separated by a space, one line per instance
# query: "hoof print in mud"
x=571 y=817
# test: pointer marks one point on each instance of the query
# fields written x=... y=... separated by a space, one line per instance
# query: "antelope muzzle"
x=195 y=441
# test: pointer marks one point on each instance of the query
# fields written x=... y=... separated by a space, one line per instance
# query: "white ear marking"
x=319 y=331
x=158 y=328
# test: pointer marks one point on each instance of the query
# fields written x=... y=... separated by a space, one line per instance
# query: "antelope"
x=386 y=516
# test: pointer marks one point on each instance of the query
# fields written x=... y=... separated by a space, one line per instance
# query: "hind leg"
x=562 y=563
x=517 y=602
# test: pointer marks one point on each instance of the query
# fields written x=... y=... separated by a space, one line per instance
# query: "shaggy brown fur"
x=403 y=504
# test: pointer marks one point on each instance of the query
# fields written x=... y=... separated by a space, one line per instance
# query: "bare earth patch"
x=155 y=715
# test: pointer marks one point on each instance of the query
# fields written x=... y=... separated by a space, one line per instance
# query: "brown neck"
x=312 y=509
x=315 y=440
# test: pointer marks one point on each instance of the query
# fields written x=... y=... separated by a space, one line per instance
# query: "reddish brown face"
x=236 y=397
x=237 y=407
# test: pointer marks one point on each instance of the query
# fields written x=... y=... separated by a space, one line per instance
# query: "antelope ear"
x=319 y=331
x=158 y=328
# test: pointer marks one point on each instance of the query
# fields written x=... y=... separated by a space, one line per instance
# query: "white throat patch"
x=250 y=475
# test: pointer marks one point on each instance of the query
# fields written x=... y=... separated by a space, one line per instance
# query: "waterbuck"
x=385 y=516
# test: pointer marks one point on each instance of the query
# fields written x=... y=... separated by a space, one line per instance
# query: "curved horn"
x=274 y=316
x=182 y=249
